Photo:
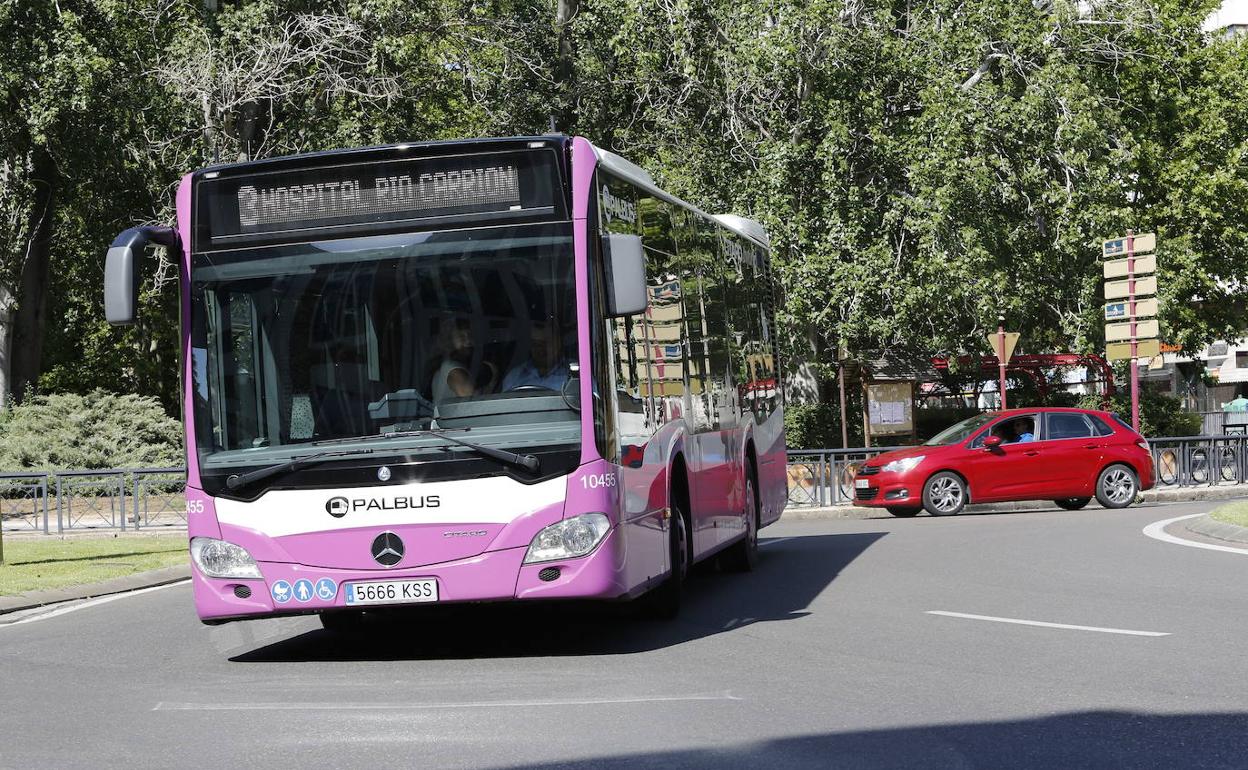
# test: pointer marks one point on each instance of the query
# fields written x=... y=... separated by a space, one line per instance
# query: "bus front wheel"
x=664 y=601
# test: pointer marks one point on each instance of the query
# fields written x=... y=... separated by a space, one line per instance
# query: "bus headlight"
x=569 y=538
x=219 y=559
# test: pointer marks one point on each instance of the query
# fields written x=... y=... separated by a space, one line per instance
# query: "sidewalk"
x=156 y=577
x=1155 y=495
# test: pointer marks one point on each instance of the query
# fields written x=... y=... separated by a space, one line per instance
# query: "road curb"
x=149 y=579
x=1218 y=530
x=1164 y=495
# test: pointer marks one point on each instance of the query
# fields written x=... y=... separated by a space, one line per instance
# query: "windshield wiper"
x=236 y=480
x=529 y=463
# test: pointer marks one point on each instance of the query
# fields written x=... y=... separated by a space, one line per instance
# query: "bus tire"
x=742 y=556
x=664 y=601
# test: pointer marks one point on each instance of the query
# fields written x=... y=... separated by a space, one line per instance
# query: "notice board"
x=890 y=408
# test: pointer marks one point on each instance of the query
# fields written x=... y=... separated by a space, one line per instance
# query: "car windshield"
x=297 y=348
x=960 y=432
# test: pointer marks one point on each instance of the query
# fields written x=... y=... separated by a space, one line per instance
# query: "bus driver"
x=546 y=366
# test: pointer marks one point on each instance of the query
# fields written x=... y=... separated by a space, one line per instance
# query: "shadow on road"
x=790 y=575
x=1093 y=739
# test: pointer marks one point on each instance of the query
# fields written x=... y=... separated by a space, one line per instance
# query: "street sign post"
x=1143 y=330
x=1134 y=244
x=1131 y=288
x=1134 y=338
x=1119 y=268
x=1120 y=310
x=1121 y=351
x=1002 y=343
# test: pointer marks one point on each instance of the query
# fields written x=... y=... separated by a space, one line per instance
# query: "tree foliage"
x=96 y=430
x=922 y=166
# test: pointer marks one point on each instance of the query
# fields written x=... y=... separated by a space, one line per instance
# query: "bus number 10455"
x=597 y=480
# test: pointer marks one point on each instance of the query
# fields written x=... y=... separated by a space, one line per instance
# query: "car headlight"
x=903 y=465
x=219 y=559
x=569 y=538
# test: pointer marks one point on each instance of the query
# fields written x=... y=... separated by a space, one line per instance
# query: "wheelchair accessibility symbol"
x=326 y=589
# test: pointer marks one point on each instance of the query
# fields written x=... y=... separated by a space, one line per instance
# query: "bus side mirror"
x=121 y=270
x=625 y=264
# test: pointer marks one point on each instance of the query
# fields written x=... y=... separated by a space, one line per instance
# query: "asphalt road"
x=827 y=656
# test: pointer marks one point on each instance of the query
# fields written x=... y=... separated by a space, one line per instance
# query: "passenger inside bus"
x=462 y=372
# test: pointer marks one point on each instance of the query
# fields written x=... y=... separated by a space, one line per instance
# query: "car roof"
x=1045 y=409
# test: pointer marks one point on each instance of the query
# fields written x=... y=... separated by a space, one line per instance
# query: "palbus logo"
x=341 y=506
x=618 y=208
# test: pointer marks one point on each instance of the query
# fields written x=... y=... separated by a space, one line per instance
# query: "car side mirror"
x=992 y=442
x=625 y=263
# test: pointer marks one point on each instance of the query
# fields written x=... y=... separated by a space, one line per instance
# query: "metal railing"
x=145 y=498
x=1195 y=461
x=825 y=477
x=111 y=498
x=24 y=501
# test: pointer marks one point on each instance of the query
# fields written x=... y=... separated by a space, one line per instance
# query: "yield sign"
x=1011 y=339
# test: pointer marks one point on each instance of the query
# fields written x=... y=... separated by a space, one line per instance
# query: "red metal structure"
x=1033 y=366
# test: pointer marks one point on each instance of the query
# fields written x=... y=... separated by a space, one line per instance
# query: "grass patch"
x=1231 y=513
x=39 y=563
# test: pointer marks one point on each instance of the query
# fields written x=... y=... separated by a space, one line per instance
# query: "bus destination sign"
x=351 y=199
x=493 y=186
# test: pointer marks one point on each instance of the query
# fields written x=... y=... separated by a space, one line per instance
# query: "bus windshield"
x=297 y=348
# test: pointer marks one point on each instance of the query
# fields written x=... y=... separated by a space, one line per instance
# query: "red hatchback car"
x=1068 y=456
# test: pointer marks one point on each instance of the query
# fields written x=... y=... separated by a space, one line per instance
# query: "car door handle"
x=1032 y=453
x=1091 y=446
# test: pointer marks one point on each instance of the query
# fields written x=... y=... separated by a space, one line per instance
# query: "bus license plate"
x=861 y=484
x=393 y=592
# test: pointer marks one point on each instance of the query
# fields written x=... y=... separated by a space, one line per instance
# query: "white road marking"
x=775 y=540
x=1157 y=531
x=1042 y=624
x=338 y=706
x=91 y=603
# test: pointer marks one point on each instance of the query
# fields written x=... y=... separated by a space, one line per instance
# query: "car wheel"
x=1072 y=503
x=944 y=494
x=1116 y=487
x=904 y=513
x=742 y=556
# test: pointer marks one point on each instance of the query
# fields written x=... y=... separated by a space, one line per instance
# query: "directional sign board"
x=1117 y=268
x=1118 y=351
x=1011 y=339
x=1120 y=289
x=1117 y=247
x=1143 y=329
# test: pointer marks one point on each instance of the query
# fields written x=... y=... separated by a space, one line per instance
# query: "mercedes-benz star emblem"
x=387 y=549
x=383 y=473
x=337 y=507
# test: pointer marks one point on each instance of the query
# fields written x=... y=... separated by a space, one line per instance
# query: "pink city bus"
x=473 y=371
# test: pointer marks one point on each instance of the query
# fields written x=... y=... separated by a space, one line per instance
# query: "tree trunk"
x=6 y=349
x=30 y=322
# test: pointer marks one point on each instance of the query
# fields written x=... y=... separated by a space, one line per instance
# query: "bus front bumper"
x=490 y=577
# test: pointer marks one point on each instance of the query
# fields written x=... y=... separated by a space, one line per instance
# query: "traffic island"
x=39 y=570
x=1227 y=522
